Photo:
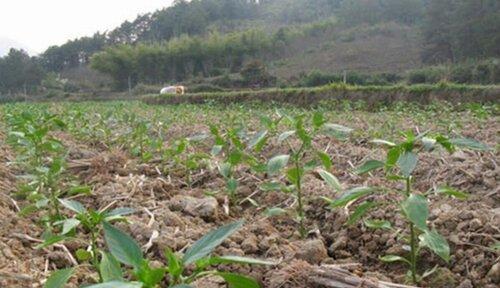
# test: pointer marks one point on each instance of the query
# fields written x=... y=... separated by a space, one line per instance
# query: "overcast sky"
x=37 y=24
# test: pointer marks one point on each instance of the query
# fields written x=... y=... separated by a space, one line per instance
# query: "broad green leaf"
x=69 y=224
x=232 y=185
x=238 y=281
x=469 y=143
x=445 y=142
x=452 y=192
x=117 y=284
x=151 y=277
x=351 y=195
x=257 y=139
x=293 y=175
x=383 y=142
x=331 y=180
x=51 y=240
x=110 y=268
x=275 y=211
x=283 y=136
x=207 y=243
x=83 y=255
x=325 y=160
x=82 y=189
x=235 y=157
x=59 y=278
x=122 y=246
x=393 y=258
x=369 y=166
x=73 y=205
x=437 y=243
x=360 y=211
x=270 y=186
x=275 y=164
x=216 y=150
x=392 y=157
x=378 y=224
x=120 y=211
x=407 y=163
x=238 y=259
x=225 y=170
x=337 y=131
x=416 y=210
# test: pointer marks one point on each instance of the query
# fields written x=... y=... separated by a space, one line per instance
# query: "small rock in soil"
x=465 y=284
x=494 y=273
x=312 y=251
x=205 y=208
x=249 y=245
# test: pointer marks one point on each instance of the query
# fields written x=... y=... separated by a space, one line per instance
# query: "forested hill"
x=210 y=38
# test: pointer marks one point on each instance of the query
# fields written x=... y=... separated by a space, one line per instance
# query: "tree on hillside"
x=19 y=72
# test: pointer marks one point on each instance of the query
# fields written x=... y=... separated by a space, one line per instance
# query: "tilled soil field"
x=171 y=213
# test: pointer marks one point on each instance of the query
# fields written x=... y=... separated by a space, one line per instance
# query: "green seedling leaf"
x=110 y=268
x=238 y=281
x=120 y=211
x=73 y=205
x=383 y=142
x=69 y=224
x=283 y=136
x=436 y=243
x=428 y=143
x=117 y=284
x=149 y=276
x=275 y=164
x=293 y=175
x=407 y=163
x=59 y=278
x=232 y=185
x=83 y=255
x=207 y=243
x=83 y=189
x=318 y=120
x=360 y=211
x=416 y=210
x=258 y=138
x=392 y=157
x=198 y=137
x=331 y=180
x=235 y=157
x=495 y=246
x=393 y=258
x=182 y=286
x=270 y=186
x=225 y=170
x=378 y=224
x=445 y=142
x=174 y=266
x=369 y=166
x=229 y=259
x=51 y=240
x=216 y=150
x=122 y=246
x=351 y=195
x=275 y=211
x=469 y=144
x=452 y=192
x=325 y=160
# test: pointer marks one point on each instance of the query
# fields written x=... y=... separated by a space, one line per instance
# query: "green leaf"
x=82 y=189
x=257 y=139
x=225 y=170
x=59 y=278
x=151 y=277
x=470 y=144
x=120 y=211
x=270 y=186
x=73 y=205
x=116 y=284
x=325 y=160
x=369 y=166
x=174 y=266
x=407 y=163
x=393 y=258
x=235 y=157
x=207 y=243
x=238 y=281
x=293 y=175
x=51 y=240
x=360 y=211
x=83 y=255
x=416 y=210
x=283 y=136
x=318 y=120
x=337 y=131
x=69 y=224
x=275 y=164
x=392 y=157
x=331 y=180
x=216 y=149
x=351 y=195
x=122 y=246
x=229 y=259
x=452 y=192
x=110 y=268
x=444 y=142
x=378 y=224
x=275 y=211
x=436 y=243
x=182 y=286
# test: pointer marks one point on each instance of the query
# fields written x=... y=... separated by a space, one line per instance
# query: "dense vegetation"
x=209 y=38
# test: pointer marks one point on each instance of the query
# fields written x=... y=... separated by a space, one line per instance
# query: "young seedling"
x=400 y=163
x=123 y=249
x=92 y=222
x=300 y=151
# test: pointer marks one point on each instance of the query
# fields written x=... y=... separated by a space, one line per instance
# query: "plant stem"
x=413 y=248
x=95 y=260
x=300 y=208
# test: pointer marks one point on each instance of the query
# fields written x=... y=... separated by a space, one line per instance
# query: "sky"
x=37 y=24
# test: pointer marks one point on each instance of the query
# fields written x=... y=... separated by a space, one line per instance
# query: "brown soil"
x=181 y=215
